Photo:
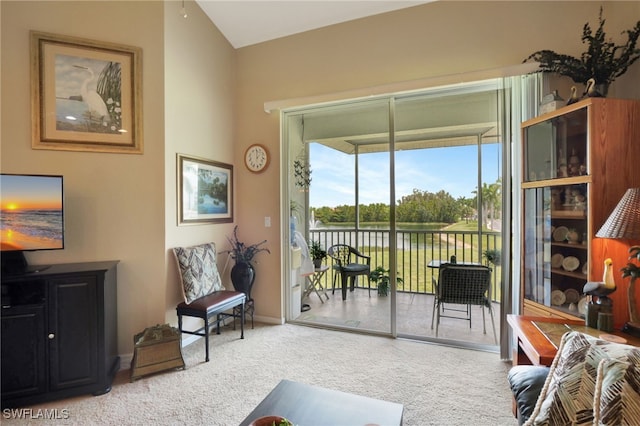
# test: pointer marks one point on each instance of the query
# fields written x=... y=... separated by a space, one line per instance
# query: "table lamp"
x=624 y=223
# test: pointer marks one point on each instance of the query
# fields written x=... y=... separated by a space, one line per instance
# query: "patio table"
x=437 y=263
x=314 y=283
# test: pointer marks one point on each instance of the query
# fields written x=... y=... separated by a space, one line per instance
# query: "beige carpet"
x=437 y=385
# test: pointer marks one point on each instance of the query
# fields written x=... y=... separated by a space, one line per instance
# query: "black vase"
x=242 y=276
x=603 y=89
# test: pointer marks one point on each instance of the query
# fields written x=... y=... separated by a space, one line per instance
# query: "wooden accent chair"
x=204 y=294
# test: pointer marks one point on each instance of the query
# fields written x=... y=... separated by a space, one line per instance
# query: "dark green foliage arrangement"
x=241 y=252
x=603 y=60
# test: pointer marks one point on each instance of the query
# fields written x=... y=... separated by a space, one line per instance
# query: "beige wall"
x=199 y=98
x=202 y=98
x=122 y=206
x=436 y=39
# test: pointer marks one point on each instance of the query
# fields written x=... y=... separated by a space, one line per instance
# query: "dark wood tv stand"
x=59 y=332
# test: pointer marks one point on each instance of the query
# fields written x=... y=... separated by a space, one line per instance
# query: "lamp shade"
x=624 y=221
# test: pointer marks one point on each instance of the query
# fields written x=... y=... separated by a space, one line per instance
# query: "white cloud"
x=453 y=170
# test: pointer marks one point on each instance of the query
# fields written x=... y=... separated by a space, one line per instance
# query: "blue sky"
x=451 y=169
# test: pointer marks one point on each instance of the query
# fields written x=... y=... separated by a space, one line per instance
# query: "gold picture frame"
x=86 y=95
x=205 y=191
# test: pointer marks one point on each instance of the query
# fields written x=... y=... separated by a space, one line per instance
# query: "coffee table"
x=307 y=405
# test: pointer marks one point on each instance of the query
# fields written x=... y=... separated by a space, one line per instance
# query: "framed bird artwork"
x=85 y=95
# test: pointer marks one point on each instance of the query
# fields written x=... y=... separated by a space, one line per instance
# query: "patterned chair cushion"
x=568 y=393
x=198 y=271
x=617 y=393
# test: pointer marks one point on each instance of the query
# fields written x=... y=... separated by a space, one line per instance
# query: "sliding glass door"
x=411 y=182
x=448 y=161
x=338 y=188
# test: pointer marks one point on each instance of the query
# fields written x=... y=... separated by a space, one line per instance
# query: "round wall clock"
x=256 y=158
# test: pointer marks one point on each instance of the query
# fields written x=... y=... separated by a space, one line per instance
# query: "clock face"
x=256 y=158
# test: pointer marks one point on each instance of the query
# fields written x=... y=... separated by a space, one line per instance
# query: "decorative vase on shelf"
x=242 y=276
x=607 y=276
x=293 y=223
x=602 y=89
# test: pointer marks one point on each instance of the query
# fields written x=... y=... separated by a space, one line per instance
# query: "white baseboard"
x=268 y=320
x=125 y=361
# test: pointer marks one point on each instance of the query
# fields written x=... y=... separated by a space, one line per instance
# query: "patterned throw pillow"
x=617 y=394
x=198 y=271
x=568 y=394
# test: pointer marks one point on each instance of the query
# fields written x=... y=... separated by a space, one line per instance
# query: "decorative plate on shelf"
x=570 y=263
x=557 y=297
x=556 y=260
x=560 y=233
x=571 y=295
x=582 y=305
x=585 y=268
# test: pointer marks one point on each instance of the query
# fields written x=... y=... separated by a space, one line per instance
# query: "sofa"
x=590 y=381
x=526 y=382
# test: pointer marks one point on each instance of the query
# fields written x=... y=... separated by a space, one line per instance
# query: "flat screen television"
x=31 y=217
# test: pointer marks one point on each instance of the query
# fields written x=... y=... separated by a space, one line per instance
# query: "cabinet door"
x=536 y=245
x=555 y=246
x=73 y=324
x=556 y=213
x=23 y=351
x=556 y=148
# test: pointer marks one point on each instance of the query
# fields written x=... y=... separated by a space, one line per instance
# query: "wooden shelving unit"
x=578 y=162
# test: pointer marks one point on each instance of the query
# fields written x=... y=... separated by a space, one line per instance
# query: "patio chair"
x=464 y=285
x=441 y=306
x=349 y=263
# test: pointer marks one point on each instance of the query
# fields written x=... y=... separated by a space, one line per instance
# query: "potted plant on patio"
x=381 y=277
x=317 y=253
x=492 y=256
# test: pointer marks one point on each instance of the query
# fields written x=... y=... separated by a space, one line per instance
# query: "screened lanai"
x=432 y=150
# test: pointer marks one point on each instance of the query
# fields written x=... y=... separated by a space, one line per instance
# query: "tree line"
x=420 y=207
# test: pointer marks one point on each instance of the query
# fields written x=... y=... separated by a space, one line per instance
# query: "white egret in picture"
x=88 y=95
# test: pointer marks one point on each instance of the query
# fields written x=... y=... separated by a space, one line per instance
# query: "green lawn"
x=413 y=260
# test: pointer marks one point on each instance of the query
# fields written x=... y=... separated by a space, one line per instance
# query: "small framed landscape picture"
x=205 y=191
x=85 y=95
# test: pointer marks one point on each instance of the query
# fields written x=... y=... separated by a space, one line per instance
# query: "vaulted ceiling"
x=247 y=22
x=446 y=118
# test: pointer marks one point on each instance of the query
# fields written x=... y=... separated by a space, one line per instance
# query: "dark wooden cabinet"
x=23 y=352
x=59 y=333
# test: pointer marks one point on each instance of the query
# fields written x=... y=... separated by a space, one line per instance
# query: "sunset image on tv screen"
x=31 y=212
